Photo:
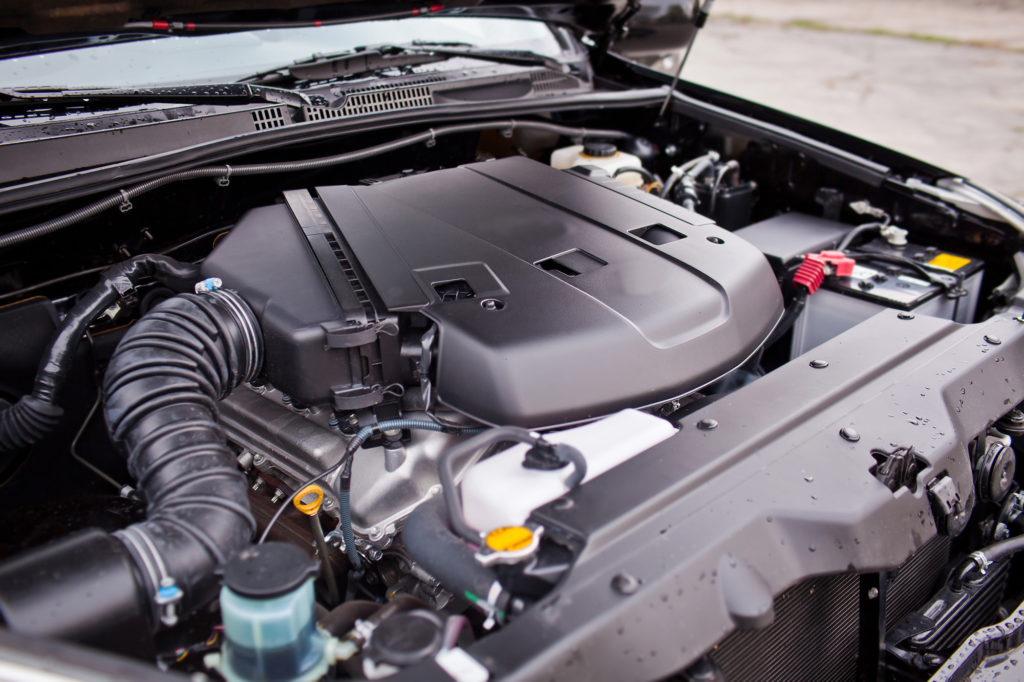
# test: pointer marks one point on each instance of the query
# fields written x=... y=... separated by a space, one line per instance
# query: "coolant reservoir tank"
x=604 y=155
x=500 y=491
x=267 y=606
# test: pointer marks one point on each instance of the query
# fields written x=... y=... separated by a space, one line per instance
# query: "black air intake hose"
x=37 y=413
x=160 y=402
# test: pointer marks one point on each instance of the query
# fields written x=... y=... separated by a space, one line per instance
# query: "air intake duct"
x=160 y=402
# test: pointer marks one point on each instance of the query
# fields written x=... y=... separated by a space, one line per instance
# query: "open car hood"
x=603 y=19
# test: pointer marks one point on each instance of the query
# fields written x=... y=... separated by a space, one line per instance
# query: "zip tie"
x=225 y=180
x=126 y=204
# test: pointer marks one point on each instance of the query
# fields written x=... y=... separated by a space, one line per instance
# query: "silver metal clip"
x=225 y=180
x=126 y=204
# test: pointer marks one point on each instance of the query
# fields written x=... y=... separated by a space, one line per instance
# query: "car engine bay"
x=410 y=405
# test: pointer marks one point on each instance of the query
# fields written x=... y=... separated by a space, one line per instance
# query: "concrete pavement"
x=937 y=79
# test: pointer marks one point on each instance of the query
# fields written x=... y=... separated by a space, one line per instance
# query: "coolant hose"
x=37 y=413
x=160 y=402
x=433 y=546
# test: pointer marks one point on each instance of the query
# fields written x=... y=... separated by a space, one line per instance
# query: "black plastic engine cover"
x=558 y=296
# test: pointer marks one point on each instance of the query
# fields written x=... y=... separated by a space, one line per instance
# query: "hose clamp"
x=981 y=561
x=167 y=595
x=249 y=327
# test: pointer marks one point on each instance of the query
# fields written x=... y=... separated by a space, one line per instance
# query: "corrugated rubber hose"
x=160 y=402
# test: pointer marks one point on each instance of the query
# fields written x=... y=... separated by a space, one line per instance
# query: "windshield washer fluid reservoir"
x=500 y=491
x=604 y=155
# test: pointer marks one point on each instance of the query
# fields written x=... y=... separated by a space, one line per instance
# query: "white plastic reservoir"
x=604 y=155
x=500 y=491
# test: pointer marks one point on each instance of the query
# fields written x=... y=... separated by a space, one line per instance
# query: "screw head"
x=625 y=584
x=818 y=364
x=491 y=304
x=905 y=315
x=707 y=424
x=994 y=340
x=849 y=433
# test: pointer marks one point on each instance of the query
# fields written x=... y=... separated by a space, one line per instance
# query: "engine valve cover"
x=557 y=296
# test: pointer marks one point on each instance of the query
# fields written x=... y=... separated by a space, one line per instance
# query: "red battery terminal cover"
x=816 y=266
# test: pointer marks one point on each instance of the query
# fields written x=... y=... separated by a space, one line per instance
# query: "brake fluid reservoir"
x=604 y=155
x=500 y=491
x=267 y=608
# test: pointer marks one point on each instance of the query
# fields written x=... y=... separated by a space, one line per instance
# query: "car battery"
x=886 y=277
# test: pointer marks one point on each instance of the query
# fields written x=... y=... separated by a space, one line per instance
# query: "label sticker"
x=509 y=538
x=948 y=261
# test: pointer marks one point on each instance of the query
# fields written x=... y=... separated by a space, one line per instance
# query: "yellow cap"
x=312 y=506
x=509 y=538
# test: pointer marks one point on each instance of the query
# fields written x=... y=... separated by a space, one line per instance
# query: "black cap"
x=598 y=148
x=270 y=570
x=406 y=638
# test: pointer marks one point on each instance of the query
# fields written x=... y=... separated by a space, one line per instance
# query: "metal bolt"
x=849 y=433
x=278 y=495
x=374 y=554
x=491 y=304
x=286 y=399
x=905 y=315
x=259 y=460
x=374 y=533
x=435 y=490
x=818 y=364
x=332 y=421
x=625 y=584
x=994 y=340
x=707 y=424
x=873 y=593
x=328 y=503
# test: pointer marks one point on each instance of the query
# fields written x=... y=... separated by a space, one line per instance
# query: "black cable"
x=37 y=413
x=789 y=318
x=100 y=268
x=647 y=175
x=926 y=271
x=123 y=197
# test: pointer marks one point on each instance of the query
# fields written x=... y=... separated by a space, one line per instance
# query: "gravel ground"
x=936 y=79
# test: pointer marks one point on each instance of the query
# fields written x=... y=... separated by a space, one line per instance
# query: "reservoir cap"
x=270 y=570
x=406 y=638
x=599 y=149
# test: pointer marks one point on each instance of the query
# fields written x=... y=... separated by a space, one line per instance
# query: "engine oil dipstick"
x=308 y=501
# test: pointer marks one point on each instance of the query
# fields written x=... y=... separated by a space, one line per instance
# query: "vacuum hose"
x=160 y=402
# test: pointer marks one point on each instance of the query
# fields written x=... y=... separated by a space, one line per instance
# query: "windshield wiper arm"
x=371 y=59
x=215 y=93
